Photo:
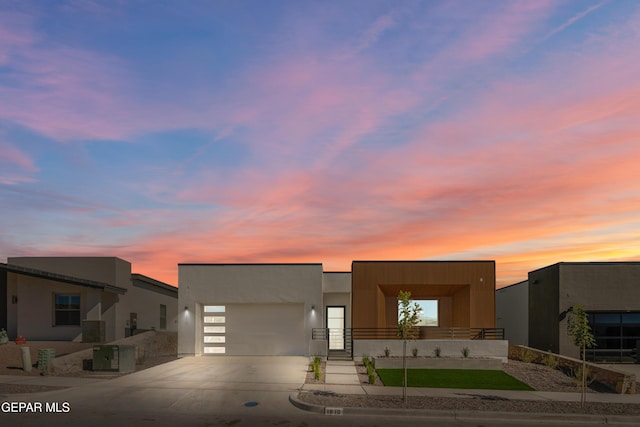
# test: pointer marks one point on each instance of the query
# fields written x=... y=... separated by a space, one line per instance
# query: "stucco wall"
x=336 y=282
x=449 y=348
x=597 y=287
x=512 y=312
x=222 y=284
x=146 y=304
x=544 y=309
x=34 y=312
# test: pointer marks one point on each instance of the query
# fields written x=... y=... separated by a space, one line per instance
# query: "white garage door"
x=254 y=329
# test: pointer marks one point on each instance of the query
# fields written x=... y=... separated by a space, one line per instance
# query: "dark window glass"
x=631 y=318
x=629 y=343
x=616 y=335
x=67 y=310
x=606 y=331
x=607 y=343
x=67 y=302
x=606 y=318
x=631 y=331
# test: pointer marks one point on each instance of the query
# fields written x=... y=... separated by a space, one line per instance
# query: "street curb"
x=469 y=415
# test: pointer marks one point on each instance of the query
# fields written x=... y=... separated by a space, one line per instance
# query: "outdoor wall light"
x=186 y=307
x=313 y=307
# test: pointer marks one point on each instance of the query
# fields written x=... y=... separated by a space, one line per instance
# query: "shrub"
x=550 y=361
x=365 y=360
x=387 y=351
x=316 y=372
x=437 y=351
x=414 y=352
x=527 y=355
x=372 y=374
x=576 y=375
x=315 y=367
x=465 y=352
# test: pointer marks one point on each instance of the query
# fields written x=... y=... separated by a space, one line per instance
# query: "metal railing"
x=417 y=333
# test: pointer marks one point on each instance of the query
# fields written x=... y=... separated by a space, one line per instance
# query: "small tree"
x=579 y=329
x=408 y=318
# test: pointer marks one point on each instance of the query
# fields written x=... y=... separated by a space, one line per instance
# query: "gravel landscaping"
x=539 y=377
x=74 y=354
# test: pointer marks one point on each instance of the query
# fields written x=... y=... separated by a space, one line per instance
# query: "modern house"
x=62 y=298
x=298 y=309
x=609 y=291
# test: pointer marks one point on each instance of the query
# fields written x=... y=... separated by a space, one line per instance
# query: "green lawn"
x=452 y=378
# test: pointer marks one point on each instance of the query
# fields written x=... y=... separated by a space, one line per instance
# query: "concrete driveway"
x=207 y=388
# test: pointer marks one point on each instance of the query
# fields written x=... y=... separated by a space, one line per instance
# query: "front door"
x=335 y=326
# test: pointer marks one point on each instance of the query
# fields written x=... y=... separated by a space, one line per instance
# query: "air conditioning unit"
x=114 y=358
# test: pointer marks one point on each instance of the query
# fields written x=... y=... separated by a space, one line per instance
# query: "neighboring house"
x=54 y=298
x=298 y=309
x=512 y=312
x=609 y=291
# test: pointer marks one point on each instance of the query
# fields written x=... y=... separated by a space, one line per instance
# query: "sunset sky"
x=167 y=132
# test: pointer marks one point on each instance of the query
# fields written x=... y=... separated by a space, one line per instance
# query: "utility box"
x=45 y=355
x=114 y=358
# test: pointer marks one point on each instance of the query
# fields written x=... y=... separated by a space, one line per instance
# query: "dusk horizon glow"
x=326 y=132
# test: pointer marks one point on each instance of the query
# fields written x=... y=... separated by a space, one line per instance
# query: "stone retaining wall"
x=621 y=382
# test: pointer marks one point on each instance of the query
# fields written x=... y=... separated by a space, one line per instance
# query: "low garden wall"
x=498 y=349
x=438 y=363
x=620 y=382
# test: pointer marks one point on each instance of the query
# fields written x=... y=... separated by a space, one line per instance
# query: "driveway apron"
x=219 y=385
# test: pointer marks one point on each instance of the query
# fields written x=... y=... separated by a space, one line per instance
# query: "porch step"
x=339 y=355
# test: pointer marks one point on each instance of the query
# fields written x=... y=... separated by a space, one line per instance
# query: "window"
x=66 y=310
x=163 y=316
x=214 y=329
x=428 y=315
x=616 y=334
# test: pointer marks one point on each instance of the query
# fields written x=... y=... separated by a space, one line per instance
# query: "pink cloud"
x=513 y=171
x=10 y=154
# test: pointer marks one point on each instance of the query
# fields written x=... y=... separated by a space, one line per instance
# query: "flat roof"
x=251 y=263
x=587 y=263
x=32 y=272
x=427 y=261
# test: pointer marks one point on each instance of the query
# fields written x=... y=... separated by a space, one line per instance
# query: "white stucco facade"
x=257 y=309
